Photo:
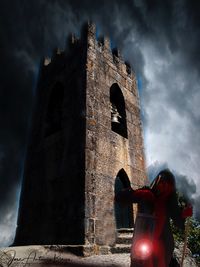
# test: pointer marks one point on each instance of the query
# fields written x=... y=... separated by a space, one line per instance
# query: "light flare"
x=142 y=249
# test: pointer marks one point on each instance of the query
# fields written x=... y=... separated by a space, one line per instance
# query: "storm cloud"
x=161 y=41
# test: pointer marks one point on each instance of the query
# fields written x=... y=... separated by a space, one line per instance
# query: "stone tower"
x=85 y=144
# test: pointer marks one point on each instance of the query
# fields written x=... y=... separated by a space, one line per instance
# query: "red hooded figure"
x=153 y=242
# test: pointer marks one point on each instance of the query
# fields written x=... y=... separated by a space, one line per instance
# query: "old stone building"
x=85 y=144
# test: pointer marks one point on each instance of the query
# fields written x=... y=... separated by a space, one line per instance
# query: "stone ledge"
x=35 y=256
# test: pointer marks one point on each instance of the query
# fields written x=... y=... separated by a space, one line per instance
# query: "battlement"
x=103 y=44
x=89 y=39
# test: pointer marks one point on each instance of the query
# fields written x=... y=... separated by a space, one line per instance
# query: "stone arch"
x=123 y=213
x=53 y=119
x=118 y=111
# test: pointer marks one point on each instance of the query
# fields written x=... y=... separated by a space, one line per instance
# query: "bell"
x=115 y=118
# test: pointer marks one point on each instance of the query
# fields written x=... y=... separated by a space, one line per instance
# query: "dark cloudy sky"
x=161 y=39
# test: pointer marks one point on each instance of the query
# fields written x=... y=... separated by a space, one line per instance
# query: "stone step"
x=120 y=248
x=125 y=230
x=123 y=242
x=124 y=238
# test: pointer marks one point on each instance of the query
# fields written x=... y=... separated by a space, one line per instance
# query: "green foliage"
x=177 y=233
x=193 y=240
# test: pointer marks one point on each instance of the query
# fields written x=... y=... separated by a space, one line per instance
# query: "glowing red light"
x=142 y=249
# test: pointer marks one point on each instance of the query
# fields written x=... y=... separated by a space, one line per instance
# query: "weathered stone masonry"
x=77 y=156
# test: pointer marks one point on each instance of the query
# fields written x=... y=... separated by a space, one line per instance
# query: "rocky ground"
x=33 y=256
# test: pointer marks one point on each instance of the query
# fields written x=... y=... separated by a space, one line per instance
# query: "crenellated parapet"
x=103 y=45
x=89 y=40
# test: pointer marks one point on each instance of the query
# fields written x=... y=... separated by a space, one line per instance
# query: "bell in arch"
x=115 y=116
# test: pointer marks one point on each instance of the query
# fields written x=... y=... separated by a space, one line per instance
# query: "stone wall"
x=107 y=152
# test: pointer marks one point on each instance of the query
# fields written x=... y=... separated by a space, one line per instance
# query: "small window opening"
x=118 y=112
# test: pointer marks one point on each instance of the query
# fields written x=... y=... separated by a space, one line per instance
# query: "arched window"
x=118 y=112
x=53 y=121
x=123 y=214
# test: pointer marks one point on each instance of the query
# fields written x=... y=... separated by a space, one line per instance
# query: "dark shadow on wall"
x=53 y=122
